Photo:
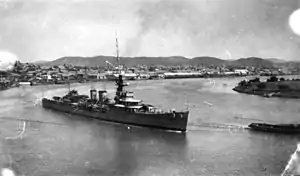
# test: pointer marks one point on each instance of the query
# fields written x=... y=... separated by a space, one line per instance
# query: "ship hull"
x=168 y=121
x=276 y=128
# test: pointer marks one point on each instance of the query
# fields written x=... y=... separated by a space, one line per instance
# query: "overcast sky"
x=49 y=29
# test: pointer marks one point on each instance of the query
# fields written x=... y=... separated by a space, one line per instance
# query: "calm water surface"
x=215 y=144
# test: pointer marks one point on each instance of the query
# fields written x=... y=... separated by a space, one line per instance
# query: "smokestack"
x=93 y=94
x=101 y=95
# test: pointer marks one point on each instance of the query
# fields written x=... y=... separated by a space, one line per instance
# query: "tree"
x=242 y=83
x=261 y=85
x=273 y=79
x=255 y=80
x=283 y=87
x=282 y=79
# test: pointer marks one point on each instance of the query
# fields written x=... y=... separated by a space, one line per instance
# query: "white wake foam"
x=293 y=166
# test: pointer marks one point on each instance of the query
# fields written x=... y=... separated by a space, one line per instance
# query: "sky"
x=35 y=30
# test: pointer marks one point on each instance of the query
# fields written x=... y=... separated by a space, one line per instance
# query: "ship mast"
x=69 y=85
x=119 y=82
x=187 y=104
x=117 y=48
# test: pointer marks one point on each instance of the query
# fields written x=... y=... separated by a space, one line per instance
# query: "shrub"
x=283 y=87
x=243 y=83
x=255 y=80
x=273 y=79
x=261 y=85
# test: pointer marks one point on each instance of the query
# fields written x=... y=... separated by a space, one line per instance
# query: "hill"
x=206 y=61
x=254 y=62
x=276 y=60
x=100 y=61
x=171 y=61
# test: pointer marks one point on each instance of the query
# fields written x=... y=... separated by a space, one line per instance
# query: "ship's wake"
x=9 y=171
x=248 y=119
x=293 y=166
x=38 y=101
x=195 y=127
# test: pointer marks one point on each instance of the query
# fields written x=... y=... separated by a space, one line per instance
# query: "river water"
x=216 y=143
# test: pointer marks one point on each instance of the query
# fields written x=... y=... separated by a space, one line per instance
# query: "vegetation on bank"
x=273 y=87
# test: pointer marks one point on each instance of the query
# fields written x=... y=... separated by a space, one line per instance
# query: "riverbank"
x=237 y=89
x=273 y=87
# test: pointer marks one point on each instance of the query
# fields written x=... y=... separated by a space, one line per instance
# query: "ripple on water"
x=215 y=140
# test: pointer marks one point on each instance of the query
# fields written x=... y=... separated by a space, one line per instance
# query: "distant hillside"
x=169 y=61
x=206 y=61
x=254 y=62
x=274 y=60
x=40 y=62
x=100 y=61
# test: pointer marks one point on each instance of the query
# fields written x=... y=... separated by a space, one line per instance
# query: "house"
x=229 y=73
x=241 y=71
x=61 y=67
x=92 y=76
x=101 y=76
x=66 y=76
x=45 y=67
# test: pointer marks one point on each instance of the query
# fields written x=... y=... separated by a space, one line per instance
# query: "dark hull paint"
x=239 y=90
x=160 y=121
x=278 y=128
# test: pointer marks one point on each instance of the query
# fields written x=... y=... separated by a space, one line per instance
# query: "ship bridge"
x=125 y=98
x=128 y=97
x=129 y=100
x=127 y=94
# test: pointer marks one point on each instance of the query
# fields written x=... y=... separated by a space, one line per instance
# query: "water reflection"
x=272 y=158
x=89 y=147
x=138 y=150
x=134 y=146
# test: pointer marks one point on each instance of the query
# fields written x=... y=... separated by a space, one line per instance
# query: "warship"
x=124 y=108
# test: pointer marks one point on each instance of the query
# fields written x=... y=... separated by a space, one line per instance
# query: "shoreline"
x=153 y=79
x=27 y=83
x=144 y=79
x=268 y=94
x=111 y=80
